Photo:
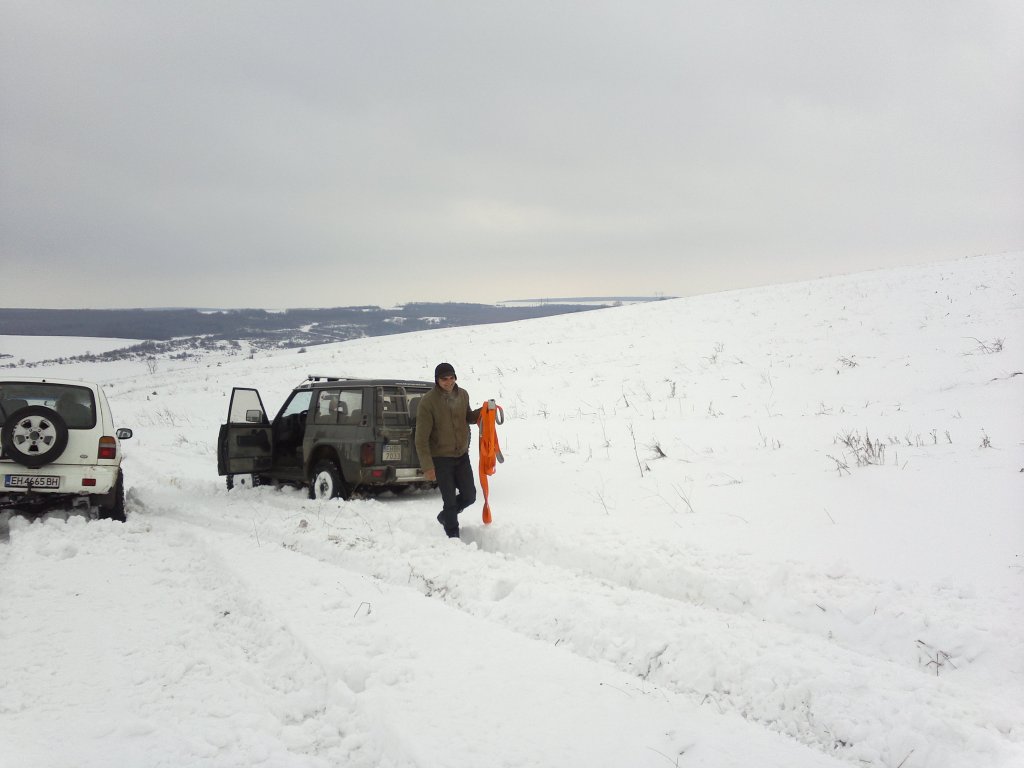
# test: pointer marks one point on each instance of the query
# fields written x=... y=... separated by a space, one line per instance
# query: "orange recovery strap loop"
x=491 y=414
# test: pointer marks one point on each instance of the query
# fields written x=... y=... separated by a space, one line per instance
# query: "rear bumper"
x=391 y=476
x=74 y=480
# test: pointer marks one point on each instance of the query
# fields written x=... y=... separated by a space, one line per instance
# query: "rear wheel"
x=326 y=482
x=112 y=504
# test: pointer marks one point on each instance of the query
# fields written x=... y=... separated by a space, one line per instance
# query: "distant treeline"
x=334 y=323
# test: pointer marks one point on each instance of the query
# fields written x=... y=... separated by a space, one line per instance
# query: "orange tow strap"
x=491 y=415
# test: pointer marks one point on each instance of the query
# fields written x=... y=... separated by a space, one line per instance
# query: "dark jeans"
x=458 y=491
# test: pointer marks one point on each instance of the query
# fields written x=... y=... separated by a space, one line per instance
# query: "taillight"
x=108 y=448
x=367 y=454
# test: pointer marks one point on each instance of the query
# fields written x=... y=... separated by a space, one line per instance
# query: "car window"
x=298 y=403
x=339 y=406
x=412 y=401
x=399 y=404
x=352 y=401
x=246 y=407
x=394 y=410
x=74 y=404
x=326 y=407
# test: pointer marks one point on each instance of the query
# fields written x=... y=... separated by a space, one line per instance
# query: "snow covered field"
x=772 y=527
x=32 y=349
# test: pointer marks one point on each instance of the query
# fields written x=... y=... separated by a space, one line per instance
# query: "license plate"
x=393 y=452
x=36 y=481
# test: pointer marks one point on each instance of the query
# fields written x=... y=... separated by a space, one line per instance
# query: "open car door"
x=244 y=444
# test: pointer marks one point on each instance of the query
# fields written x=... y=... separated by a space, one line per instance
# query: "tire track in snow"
x=214 y=678
x=796 y=682
x=788 y=679
x=400 y=664
x=856 y=614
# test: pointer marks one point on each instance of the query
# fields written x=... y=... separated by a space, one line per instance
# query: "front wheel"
x=326 y=482
x=242 y=481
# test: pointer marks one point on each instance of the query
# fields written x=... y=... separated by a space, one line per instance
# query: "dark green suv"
x=334 y=435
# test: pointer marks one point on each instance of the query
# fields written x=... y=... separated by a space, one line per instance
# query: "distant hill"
x=315 y=325
x=604 y=301
x=180 y=332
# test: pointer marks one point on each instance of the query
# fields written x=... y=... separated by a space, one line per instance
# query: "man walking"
x=442 y=442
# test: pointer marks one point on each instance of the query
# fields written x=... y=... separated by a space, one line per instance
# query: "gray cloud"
x=291 y=154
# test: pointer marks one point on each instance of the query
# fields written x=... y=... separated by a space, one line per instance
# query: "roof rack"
x=311 y=381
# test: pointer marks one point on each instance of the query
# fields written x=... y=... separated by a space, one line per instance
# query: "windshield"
x=299 y=403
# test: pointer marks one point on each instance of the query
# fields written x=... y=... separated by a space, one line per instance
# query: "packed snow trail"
x=798 y=682
x=209 y=676
x=261 y=655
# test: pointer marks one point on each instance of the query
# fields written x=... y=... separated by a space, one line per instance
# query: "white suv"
x=59 y=447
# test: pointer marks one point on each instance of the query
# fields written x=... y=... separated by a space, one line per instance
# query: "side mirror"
x=254 y=416
x=123 y=434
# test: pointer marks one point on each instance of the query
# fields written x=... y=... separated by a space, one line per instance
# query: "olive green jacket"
x=442 y=425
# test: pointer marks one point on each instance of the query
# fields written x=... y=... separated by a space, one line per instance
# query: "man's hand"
x=430 y=475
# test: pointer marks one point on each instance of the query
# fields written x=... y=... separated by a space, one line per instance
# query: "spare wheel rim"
x=33 y=435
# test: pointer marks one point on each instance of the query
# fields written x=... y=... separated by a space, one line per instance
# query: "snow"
x=680 y=571
x=32 y=349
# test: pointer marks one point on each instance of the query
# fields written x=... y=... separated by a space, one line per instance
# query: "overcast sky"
x=286 y=154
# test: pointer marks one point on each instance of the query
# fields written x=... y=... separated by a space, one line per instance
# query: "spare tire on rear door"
x=34 y=436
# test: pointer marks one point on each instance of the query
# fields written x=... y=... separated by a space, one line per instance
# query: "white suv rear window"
x=74 y=404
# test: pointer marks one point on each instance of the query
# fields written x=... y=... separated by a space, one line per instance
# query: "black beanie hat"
x=444 y=369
